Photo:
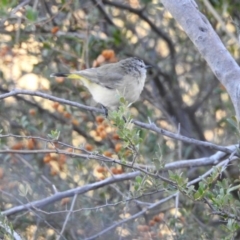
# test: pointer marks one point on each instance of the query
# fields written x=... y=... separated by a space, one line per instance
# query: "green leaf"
x=4 y=3
x=24 y=189
x=138 y=179
x=197 y=196
x=31 y=14
x=54 y=134
x=233 y=122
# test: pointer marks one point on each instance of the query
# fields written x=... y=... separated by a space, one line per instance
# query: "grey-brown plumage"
x=111 y=81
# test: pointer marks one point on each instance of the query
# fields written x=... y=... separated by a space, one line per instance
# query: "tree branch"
x=150 y=126
x=201 y=33
x=102 y=10
x=205 y=161
x=69 y=193
x=52 y=98
x=132 y=217
x=182 y=138
x=140 y=13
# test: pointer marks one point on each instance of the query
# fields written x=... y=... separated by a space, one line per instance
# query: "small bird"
x=109 y=82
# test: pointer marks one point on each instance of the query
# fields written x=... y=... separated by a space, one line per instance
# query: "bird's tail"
x=67 y=75
x=76 y=76
x=59 y=75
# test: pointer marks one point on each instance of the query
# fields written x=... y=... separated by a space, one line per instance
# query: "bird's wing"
x=108 y=75
x=90 y=74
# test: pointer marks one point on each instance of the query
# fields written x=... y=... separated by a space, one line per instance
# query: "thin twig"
x=132 y=217
x=104 y=13
x=182 y=138
x=205 y=161
x=49 y=97
x=150 y=126
x=222 y=164
x=141 y=14
x=71 y=192
x=219 y=19
x=177 y=164
x=67 y=217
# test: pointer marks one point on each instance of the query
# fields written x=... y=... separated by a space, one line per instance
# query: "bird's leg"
x=124 y=119
x=105 y=111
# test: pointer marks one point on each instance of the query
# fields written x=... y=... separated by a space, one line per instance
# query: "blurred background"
x=181 y=94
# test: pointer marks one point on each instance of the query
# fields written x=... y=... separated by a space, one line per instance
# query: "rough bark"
x=201 y=33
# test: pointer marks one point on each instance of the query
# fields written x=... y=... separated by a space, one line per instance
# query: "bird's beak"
x=148 y=66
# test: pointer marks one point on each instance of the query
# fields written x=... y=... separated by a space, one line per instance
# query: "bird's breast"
x=131 y=87
x=107 y=97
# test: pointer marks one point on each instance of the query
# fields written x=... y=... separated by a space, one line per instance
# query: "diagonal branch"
x=102 y=10
x=133 y=216
x=154 y=128
x=52 y=98
x=205 y=161
x=208 y=43
x=140 y=13
x=69 y=193
x=76 y=128
x=150 y=126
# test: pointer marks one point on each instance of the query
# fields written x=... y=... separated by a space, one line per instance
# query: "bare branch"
x=141 y=14
x=133 y=216
x=21 y=5
x=104 y=13
x=52 y=98
x=90 y=155
x=67 y=217
x=150 y=126
x=69 y=193
x=161 y=131
x=51 y=114
x=200 y=31
x=219 y=19
x=222 y=164
x=177 y=164
x=205 y=161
